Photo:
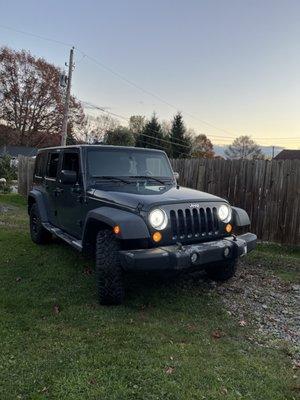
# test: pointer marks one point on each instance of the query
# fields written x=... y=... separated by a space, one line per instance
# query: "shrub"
x=7 y=170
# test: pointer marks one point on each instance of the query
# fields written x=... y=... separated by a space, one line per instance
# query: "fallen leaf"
x=242 y=323
x=93 y=381
x=56 y=309
x=223 y=390
x=87 y=271
x=18 y=279
x=191 y=327
x=217 y=334
x=169 y=370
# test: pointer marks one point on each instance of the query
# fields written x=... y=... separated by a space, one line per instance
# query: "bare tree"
x=31 y=100
x=244 y=147
x=97 y=127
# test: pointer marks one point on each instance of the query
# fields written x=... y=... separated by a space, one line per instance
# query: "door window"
x=39 y=165
x=53 y=165
x=71 y=162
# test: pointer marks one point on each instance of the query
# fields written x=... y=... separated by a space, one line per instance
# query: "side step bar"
x=77 y=244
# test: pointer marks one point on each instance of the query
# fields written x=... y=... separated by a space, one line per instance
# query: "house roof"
x=288 y=155
x=14 y=151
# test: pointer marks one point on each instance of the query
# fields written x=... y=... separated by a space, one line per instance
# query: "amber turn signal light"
x=228 y=228
x=117 y=229
x=156 y=237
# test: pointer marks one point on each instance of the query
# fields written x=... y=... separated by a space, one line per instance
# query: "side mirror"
x=68 y=177
x=176 y=175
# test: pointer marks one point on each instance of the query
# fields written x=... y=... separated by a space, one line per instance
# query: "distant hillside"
x=267 y=150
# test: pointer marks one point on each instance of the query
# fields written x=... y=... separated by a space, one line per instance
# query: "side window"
x=53 y=165
x=39 y=165
x=71 y=162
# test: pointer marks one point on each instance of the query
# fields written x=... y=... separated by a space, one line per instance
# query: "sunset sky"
x=232 y=67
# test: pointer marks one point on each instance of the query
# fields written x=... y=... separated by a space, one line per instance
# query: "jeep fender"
x=132 y=226
x=35 y=196
x=240 y=217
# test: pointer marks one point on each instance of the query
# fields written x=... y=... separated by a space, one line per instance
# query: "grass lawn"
x=58 y=343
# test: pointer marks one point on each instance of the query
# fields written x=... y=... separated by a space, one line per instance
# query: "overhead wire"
x=137 y=86
x=127 y=119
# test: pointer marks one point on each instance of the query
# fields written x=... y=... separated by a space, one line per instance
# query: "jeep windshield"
x=129 y=166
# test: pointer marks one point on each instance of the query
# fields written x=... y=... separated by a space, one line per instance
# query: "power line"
x=127 y=119
x=130 y=82
x=93 y=106
x=36 y=36
x=117 y=74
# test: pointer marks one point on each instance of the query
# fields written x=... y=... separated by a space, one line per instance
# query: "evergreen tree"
x=180 y=142
x=151 y=135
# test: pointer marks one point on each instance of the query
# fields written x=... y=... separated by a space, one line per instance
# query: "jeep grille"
x=192 y=223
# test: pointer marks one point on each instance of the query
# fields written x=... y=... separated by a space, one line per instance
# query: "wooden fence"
x=268 y=190
x=25 y=174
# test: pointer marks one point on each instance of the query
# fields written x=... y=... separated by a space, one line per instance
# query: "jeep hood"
x=170 y=195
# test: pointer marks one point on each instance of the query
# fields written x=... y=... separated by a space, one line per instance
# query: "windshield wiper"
x=112 y=178
x=148 y=177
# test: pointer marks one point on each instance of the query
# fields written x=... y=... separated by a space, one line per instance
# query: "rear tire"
x=38 y=233
x=109 y=274
x=222 y=271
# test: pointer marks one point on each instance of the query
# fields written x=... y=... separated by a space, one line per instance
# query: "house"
x=288 y=155
x=15 y=151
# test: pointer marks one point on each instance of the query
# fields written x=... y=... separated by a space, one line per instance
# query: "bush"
x=6 y=189
x=7 y=170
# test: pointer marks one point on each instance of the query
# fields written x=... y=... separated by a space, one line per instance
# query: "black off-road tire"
x=38 y=233
x=222 y=271
x=109 y=274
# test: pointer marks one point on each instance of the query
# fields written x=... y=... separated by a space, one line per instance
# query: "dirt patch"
x=257 y=297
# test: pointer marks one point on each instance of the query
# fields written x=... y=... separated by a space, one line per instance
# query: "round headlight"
x=158 y=219
x=224 y=213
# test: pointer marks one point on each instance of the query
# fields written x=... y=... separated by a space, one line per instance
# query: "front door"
x=50 y=184
x=71 y=206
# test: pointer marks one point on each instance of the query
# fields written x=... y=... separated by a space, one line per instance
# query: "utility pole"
x=273 y=151
x=67 y=100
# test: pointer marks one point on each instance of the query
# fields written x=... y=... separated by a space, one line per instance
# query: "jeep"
x=123 y=206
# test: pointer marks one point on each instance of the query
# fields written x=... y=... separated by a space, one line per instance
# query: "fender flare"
x=240 y=217
x=132 y=226
x=35 y=196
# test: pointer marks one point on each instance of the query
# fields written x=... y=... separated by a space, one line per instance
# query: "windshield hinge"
x=139 y=207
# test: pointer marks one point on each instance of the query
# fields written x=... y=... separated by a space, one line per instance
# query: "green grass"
x=281 y=260
x=91 y=352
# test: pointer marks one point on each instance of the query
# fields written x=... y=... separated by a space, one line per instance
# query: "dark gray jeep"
x=124 y=206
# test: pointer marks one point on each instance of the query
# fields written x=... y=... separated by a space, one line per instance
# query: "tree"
x=202 y=147
x=7 y=169
x=96 y=127
x=152 y=136
x=180 y=141
x=120 y=136
x=244 y=147
x=137 y=124
x=31 y=100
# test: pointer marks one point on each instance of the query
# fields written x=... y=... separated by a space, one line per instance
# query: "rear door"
x=71 y=207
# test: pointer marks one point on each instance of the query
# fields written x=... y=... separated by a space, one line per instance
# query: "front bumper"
x=177 y=257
